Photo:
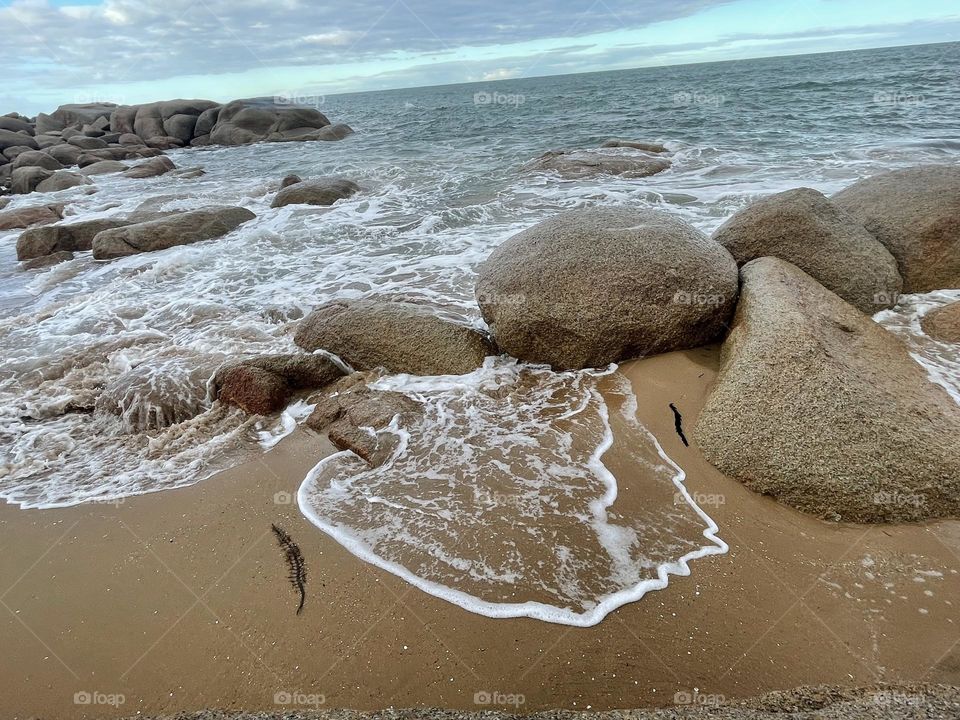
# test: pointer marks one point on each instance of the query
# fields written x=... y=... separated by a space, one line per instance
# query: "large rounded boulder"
x=915 y=213
x=803 y=227
x=591 y=287
x=820 y=407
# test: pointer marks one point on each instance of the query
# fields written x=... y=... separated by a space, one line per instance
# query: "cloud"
x=500 y=74
x=140 y=50
x=46 y=46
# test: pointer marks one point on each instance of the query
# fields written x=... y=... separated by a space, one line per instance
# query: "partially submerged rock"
x=825 y=410
x=104 y=167
x=24 y=180
x=803 y=227
x=351 y=413
x=159 y=392
x=635 y=145
x=590 y=287
x=319 y=191
x=46 y=261
x=401 y=337
x=915 y=213
x=263 y=385
x=151 y=168
x=576 y=164
x=30 y=216
x=169 y=231
x=943 y=324
x=62 y=180
x=37 y=242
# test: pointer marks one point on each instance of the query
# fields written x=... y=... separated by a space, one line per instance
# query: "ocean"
x=442 y=186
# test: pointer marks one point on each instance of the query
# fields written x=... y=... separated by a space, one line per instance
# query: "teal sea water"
x=442 y=186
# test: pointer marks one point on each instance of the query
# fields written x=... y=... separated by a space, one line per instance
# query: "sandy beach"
x=180 y=601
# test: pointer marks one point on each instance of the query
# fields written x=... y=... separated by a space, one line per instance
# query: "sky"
x=131 y=51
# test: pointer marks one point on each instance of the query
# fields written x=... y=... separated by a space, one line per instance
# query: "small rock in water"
x=635 y=145
x=319 y=191
x=151 y=168
x=578 y=164
x=263 y=385
x=401 y=337
x=943 y=324
x=166 y=232
x=47 y=260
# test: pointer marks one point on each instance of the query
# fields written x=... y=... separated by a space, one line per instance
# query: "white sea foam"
x=499 y=499
x=941 y=360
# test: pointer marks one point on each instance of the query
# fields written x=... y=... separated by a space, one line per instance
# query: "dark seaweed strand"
x=298 y=568
x=678 y=423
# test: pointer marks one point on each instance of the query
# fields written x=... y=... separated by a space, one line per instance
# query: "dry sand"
x=180 y=601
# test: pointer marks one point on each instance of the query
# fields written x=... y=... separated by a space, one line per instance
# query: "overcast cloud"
x=140 y=50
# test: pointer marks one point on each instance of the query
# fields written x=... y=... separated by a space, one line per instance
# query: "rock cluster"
x=35 y=152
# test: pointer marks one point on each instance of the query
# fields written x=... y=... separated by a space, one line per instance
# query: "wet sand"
x=180 y=601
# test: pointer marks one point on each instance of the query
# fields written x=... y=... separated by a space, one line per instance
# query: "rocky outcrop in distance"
x=86 y=134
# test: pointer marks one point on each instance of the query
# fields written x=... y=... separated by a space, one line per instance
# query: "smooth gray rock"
x=401 y=337
x=915 y=213
x=62 y=180
x=589 y=287
x=151 y=168
x=318 y=191
x=37 y=158
x=179 y=229
x=820 y=407
x=10 y=139
x=803 y=227
x=26 y=179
